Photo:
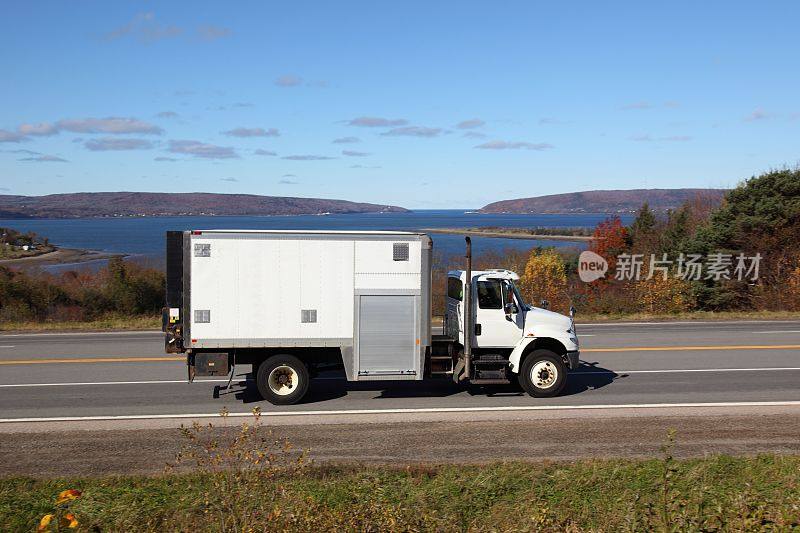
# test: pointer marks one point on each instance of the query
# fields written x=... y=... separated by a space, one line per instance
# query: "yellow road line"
x=90 y=360
x=586 y=350
x=692 y=348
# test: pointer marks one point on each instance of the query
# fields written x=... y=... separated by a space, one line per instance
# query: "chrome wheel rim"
x=544 y=374
x=283 y=380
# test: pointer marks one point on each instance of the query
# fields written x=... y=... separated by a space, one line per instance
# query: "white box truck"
x=295 y=303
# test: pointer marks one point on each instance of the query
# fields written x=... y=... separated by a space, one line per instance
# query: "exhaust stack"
x=468 y=327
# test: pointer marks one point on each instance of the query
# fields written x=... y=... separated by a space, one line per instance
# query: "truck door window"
x=454 y=288
x=490 y=294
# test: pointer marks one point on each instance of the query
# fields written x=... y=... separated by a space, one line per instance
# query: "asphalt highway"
x=98 y=375
x=109 y=403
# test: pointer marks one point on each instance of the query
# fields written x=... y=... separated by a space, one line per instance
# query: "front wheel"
x=282 y=379
x=543 y=374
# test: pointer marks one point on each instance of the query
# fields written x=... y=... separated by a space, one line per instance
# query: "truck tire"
x=543 y=374
x=282 y=379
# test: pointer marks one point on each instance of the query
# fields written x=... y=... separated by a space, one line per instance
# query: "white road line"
x=681 y=370
x=239 y=380
x=7 y=346
x=684 y=322
x=778 y=331
x=410 y=411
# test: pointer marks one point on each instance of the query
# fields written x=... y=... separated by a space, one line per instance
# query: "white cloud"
x=288 y=80
x=346 y=140
x=757 y=114
x=202 y=150
x=644 y=137
x=261 y=151
x=252 y=132
x=470 y=124
x=115 y=125
x=113 y=144
x=167 y=114
x=210 y=33
x=353 y=153
x=413 y=131
x=377 y=122
x=144 y=28
x=231 y=180
x=11 y=137
x=514 y=145
x=44 y=159
x=638 y=105
x=42 y=128
x=307 y=157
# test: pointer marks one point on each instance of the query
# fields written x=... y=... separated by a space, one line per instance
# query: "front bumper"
x=573 y=359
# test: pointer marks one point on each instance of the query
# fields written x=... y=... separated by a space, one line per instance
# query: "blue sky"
x=419 y=104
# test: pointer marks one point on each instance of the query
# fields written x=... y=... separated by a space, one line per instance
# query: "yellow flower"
x=69 y=521
x=67 y=496
x=44 y=523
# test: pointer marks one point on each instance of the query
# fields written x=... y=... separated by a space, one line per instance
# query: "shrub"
x=545 y=278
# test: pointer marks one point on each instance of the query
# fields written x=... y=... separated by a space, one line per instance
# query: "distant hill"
x=127 y=204
x=627 y=201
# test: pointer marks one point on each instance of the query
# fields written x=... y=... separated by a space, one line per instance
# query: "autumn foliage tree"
x=545 y=278
x=609 y=240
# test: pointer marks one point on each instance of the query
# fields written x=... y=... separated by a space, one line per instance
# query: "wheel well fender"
x=529 y=344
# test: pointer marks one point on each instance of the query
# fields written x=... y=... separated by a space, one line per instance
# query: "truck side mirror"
x=572 y=311
x=510 y=308
x=545 y=304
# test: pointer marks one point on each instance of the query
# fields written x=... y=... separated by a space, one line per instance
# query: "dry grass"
x=691 y=315
x=112 y=323
x=108 y=323
x=255 y=482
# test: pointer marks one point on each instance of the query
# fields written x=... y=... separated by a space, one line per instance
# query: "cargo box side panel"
x=378 y=265
x=273 y=291
x=214 y=290
x=389 y=306
x=268 y=269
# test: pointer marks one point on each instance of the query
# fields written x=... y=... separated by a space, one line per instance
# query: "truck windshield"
x=518 y=295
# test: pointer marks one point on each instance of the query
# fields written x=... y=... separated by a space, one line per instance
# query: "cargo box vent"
x=400 y=251
x=202 y=250
x=308 y=316
x=202 y=316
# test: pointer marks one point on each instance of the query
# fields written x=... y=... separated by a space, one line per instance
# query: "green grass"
x=716 y=493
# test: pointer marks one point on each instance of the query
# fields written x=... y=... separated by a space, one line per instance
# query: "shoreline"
x=60 y=256
x=507 y=234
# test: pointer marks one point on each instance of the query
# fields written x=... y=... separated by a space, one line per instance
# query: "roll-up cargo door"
x=387 y=334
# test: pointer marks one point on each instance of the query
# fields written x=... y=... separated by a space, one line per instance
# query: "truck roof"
x=310 y=231
x=495 y=273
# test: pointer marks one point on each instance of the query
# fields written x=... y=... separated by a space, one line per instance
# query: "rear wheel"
x=282 y=379
x=543 y=374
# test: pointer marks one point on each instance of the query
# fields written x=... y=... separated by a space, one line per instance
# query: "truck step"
x=490 y=362
x=489 y=381
x=441 y=358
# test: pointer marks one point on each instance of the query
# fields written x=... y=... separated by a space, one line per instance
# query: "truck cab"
x=510 y=339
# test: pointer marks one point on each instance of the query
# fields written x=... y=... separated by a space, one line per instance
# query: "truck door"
x=493 y=327
x=454 y=321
